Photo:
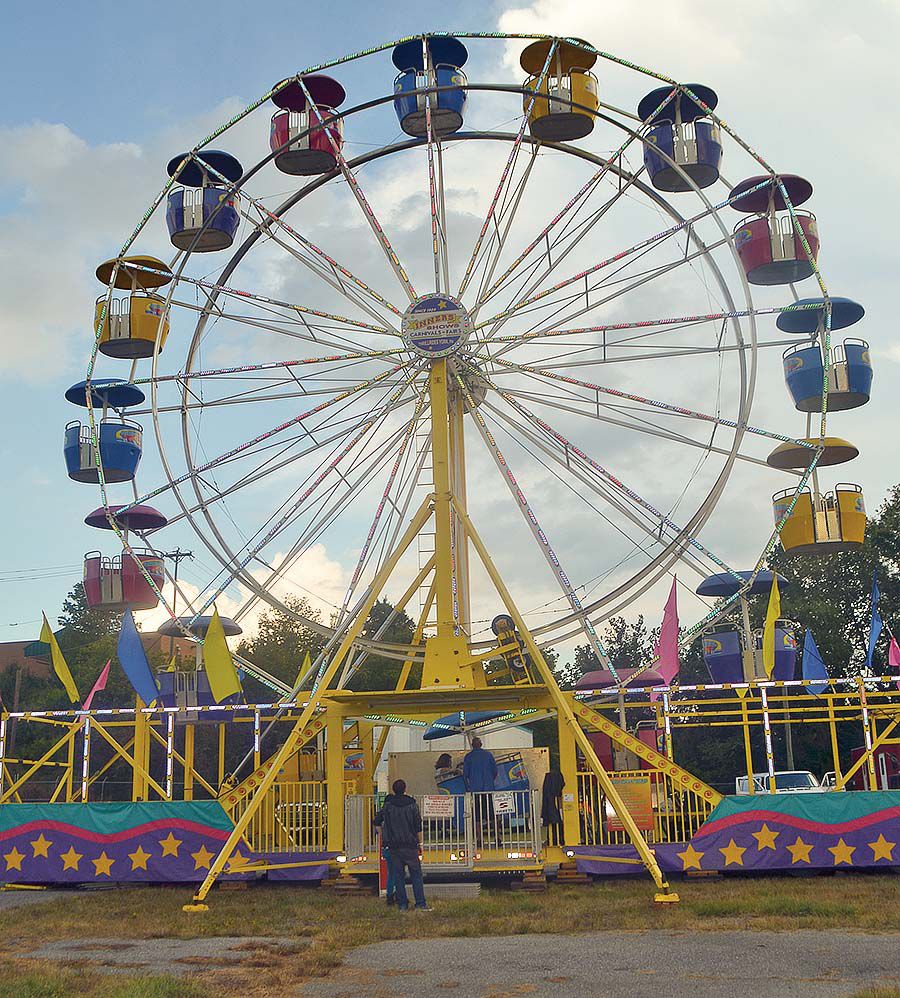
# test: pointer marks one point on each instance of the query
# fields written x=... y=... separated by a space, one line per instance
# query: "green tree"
x=282 y=642
x=629 y=646
x=379 y=672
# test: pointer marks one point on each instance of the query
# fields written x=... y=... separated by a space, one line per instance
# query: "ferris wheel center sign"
x=435 y=326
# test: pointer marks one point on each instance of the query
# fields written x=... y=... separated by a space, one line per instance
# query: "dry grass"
x=326 y=926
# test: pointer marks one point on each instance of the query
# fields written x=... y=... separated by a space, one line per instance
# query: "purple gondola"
x=683 y=148
x=202 y=215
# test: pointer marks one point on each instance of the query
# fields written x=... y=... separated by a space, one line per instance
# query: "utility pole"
x=175 y=556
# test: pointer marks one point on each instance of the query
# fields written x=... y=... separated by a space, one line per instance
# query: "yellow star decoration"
x=882 y=849
x=201 y=858
x=139 y=858
x=14 y=859
x=40 y=845
x=71 y=859
x=733 y=853
x=237 y=861
x=690 y=858
x=170 y=845
x=800 y=851
x=765 y=838
x=102 y=865
x=842 y=853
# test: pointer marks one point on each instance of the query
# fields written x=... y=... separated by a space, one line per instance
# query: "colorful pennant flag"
x=99 y=685
x=60 y=666
x=876 y=623
x=666 y=648
x=813 y=665
x=220 y=671
x=894 y=654
x=133 y=660
x=772 y=615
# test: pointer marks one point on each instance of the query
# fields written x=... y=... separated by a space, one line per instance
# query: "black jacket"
x=400 y=821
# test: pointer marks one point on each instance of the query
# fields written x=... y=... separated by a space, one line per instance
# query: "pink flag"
x=99 y=685
x=894 y=654
x=667 y=646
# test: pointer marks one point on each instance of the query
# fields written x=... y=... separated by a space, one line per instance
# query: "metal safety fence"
x=661 y=808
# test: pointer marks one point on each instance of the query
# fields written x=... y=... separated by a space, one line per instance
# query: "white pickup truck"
x=799 y=781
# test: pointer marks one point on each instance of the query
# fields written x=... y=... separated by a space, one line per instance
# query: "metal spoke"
x=361 y=200
x=507 y=169
x=539 y=535
x=610 y=478
x=652 y=403
x=265 y=436
x=624 y=254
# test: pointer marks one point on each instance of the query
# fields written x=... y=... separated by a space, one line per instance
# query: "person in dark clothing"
x=480 y=775
x=551 y=806
x=479 y=769
x=401 y=833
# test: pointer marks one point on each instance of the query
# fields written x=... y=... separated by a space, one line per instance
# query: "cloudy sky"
x=89 y=123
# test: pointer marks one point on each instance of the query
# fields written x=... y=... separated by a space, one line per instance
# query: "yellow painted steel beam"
x=145 y=778
x=664 y=894
x=686 y=780
x=23 y=779
x=866 y=759
x=308 y=713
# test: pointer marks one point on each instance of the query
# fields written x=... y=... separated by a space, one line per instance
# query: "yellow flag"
x=772 y=614
x=171 y=666
x=220 y=671
x=306 y=664
x=60 y=666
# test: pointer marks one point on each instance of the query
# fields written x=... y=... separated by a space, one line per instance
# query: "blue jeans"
x=391 y=890
x=401 y=859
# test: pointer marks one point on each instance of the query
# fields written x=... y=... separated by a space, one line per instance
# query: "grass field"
x=319 y=927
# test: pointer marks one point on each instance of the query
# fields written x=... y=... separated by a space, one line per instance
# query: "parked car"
x=798 y=781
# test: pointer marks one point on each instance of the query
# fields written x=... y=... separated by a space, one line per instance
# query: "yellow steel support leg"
x=334 y=777
x=832 y=730
x=748 y=750
x=139 y=785
x=664 y=895
x=221 y=773
x=568 y=766
x=299 y=731
x=189 y=733
x=447 y=661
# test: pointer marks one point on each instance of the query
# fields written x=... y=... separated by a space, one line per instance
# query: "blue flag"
x=813 y=666
x=876 y=624
x=134 y=661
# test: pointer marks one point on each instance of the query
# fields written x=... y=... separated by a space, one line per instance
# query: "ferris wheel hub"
x=435 y=326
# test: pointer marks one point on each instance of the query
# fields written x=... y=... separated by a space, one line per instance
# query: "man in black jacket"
x=401 y=833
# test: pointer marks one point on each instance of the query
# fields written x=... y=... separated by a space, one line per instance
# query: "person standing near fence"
x=480 y=775
x=401 y=833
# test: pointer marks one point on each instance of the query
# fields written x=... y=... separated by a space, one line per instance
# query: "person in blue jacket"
x=480 y=775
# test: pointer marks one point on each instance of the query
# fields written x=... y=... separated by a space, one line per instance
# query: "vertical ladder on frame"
x=425 y=542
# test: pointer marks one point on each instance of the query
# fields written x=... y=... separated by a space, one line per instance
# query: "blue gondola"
x=785 y=650
x=186 y=689
x=722 y=654
x=683 y=148
x=850 y=383
x=446 y=56
x=120 y=451
x=201 y=215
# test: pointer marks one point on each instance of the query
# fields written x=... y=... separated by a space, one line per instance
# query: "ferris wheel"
x=563 y=242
